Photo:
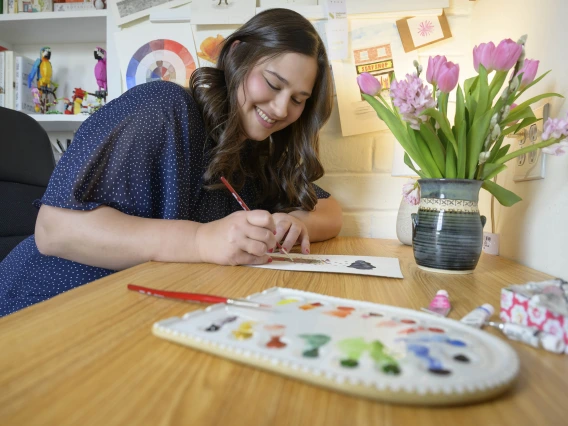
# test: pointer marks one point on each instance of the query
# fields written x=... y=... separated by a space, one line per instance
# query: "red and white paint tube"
x=440 y=304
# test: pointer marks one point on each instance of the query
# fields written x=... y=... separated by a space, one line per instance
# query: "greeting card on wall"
x=209 y=41
x=374 y=47
x=210 y=12
x=125 y=11
x=149 y=52
x=421 y=31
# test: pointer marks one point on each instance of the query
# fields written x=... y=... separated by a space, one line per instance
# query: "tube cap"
x=489 y=308
x=552 y=343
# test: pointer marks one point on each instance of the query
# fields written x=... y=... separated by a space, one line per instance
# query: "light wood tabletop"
x=88 y=356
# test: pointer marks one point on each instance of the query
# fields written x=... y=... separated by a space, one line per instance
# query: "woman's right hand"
x=242 y=238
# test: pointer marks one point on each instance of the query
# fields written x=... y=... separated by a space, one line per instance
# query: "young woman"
x=141 y=179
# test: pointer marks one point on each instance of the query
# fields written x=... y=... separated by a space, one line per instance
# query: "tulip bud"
x=369 y=84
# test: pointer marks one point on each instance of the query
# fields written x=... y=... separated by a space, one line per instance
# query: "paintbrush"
x=196 y=297
x=245 y=207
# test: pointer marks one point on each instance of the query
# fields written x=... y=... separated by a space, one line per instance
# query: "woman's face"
x=274 y=93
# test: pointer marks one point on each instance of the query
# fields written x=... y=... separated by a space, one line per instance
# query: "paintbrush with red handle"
x=245 y=207
x=196 y=297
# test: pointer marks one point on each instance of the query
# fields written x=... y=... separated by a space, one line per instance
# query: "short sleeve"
x=320 y=192
x=132 y=155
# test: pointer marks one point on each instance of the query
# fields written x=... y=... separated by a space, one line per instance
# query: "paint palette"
x=360 y=348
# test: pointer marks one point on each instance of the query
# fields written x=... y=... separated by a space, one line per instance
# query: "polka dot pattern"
x=143 y=154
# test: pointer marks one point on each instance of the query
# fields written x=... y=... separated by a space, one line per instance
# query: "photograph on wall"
x=211 y=12
x=149 y=52
x=125 y=11
x=376 y=48
x=209 y=41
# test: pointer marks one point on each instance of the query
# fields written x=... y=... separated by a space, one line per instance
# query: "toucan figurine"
x=41 y=69
x=101 y=68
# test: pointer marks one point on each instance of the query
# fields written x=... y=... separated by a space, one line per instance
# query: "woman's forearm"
x=108 y=238
x=324 y=222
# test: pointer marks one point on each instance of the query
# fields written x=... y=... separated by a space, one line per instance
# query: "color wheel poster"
x=150 y=52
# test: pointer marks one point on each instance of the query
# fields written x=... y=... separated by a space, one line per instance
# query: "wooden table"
x=88 y=357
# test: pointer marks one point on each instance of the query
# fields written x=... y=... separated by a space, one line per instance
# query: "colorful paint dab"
x=461 y=358
x=362 y=265
x=287 y=301
x=314 y=342
x=216 y=326
x=384 y=362
x=433 y=364
x=352 y=349
x=245 y=331
x=311 y=306
x=276 y=332
x=341 y=311
x=372 y=315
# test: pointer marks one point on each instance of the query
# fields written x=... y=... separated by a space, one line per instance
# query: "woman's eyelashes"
x=277 y=89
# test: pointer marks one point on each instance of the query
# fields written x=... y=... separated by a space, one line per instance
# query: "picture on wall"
x=209 y=41
x=125 y=11
x=374 y=47
x=149 y=52
x=211 y=12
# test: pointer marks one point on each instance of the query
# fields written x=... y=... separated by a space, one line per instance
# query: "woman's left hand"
x=293 y=229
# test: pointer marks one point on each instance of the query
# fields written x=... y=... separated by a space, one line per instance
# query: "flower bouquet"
x=470 y=144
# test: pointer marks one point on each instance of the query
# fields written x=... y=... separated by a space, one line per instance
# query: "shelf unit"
x=72 y=36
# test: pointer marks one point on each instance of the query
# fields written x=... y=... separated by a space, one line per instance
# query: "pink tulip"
x=434 y=64
x=506 y=55
x=369 y=84
x=448 y=76
x=483 y=54
x=529 y=70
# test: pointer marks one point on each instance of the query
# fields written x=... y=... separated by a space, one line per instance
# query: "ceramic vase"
x=447 y=231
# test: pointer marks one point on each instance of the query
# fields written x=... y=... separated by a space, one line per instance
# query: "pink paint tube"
x=440 y=305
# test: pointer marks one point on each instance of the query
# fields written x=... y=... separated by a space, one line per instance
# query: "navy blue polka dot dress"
x=143 y=154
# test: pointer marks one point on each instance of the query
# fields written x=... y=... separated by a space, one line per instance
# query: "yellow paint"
x=244 y=331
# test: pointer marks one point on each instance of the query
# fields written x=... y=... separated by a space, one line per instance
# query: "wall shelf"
x=54 y=27
x=60 y=122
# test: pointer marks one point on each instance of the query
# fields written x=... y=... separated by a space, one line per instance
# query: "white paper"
x=355 y=114
x=210 y=12
x=425 y=29
x=359 y=265
x=143 y=60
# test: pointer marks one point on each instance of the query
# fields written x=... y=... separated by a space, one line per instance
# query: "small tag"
x=491 y=243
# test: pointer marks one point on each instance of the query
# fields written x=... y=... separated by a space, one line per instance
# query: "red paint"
x=436 y=330
x=407 y=321
x=275 y=343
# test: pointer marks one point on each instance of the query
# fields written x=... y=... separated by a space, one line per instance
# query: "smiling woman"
x=141 y=180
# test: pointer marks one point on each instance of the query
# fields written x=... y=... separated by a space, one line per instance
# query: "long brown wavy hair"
x=287 y=162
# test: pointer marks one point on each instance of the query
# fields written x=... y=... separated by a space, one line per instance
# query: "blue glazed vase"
x=447 y=231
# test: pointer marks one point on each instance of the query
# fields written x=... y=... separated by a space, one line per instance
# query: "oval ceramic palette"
x=360 y=348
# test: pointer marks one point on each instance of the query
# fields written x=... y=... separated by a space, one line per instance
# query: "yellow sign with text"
x=375 y=66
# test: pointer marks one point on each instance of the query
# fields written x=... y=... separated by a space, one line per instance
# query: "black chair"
x=26 y=163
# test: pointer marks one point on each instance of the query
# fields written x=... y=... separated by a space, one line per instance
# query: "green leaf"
x=435 y=146
x=483 y=93
x=496 y=148
x=443 y=122
x=531 y=85
x=409 y=163
x=503 y=151
x=443 y=103
x=450 y=164
x=460 y=112
x=491 y=170
x=504 y=196
x=496 y=84
x=462 y=150
x=515 y=128
x=518 y=114
x=427 y=156
x=475 y=139
x=526 y=104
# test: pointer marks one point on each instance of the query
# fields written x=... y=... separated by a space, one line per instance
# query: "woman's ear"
x=234 y=44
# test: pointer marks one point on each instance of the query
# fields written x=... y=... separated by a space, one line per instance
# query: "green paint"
x=349 y=363
x=314 y=342
x=352 y=349
x=383 y=361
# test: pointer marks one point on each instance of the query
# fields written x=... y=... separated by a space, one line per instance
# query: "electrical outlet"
x=531 y=166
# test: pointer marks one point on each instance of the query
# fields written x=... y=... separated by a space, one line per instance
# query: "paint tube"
x=440 y=305
x=531 y=336
x=478 y=316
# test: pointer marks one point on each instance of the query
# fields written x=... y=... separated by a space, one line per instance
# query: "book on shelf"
x=9 y=68
x=33 y=6
x=23 y=94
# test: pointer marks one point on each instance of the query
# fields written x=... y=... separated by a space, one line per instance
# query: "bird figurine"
x=99 y=4
x=41 y=69
x=100 y=68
